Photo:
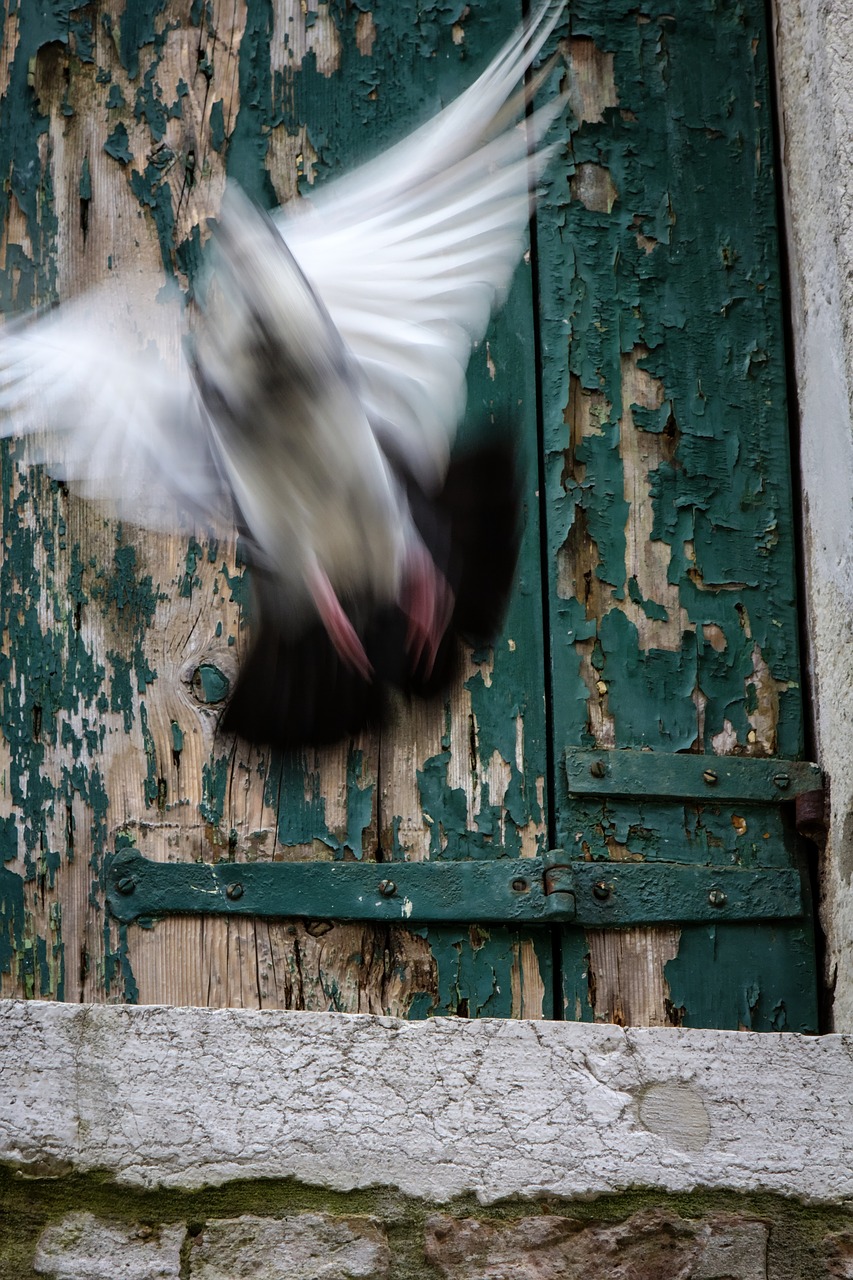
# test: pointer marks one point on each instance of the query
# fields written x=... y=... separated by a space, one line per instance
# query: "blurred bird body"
x=314 y=492
x=317 y=409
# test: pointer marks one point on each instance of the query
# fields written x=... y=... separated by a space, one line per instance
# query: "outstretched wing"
x=109 y=417
x=413 y=251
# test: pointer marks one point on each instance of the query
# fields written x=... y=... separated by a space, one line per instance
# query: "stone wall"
x=246 y=1235
x=216 y=1144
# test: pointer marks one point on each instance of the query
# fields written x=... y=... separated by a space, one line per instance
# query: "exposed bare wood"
x=156 y=610
x=628 y=985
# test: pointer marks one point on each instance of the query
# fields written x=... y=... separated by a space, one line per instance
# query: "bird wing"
x=409 y=254
x=412 y=252
x=110 y=418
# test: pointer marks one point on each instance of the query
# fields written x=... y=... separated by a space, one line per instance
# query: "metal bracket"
x=528 y=891
x=661 y=775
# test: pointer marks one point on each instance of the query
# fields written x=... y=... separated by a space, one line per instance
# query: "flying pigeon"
x=315 y=405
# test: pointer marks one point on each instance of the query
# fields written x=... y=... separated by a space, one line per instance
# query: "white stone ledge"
x=188 y=1097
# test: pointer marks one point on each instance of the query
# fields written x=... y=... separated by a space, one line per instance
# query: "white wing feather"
x=409 y=254
x=412 y=252
x=115 y=422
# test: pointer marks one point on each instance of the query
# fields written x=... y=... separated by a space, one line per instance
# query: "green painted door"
x=641 y=355
x=672 y=596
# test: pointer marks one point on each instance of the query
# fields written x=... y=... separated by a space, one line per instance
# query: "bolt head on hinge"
x=234 y=891
x=387 y=888
x=126 y=885
x=717 y=898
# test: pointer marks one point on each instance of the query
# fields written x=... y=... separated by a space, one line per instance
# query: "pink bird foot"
x=340 y=630
x=427 y=602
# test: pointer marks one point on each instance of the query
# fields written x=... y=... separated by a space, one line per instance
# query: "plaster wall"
x=493 y=1108
x=814 y=58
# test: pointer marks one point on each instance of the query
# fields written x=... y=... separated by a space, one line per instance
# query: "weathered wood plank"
x=118 y=128
x=668 y=491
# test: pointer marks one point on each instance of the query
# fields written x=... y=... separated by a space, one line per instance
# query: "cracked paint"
x=668 y=504
x=117 y=135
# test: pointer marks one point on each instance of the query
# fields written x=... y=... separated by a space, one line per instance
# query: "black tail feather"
x=482 y=497
x=294 y=691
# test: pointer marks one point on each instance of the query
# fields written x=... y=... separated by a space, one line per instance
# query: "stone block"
x=84 y=1247
x=306 y=1246
x=838 y=1247
x=647 y=1246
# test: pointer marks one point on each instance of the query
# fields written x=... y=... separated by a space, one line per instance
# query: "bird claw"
x=427 y=603
x=340 y=630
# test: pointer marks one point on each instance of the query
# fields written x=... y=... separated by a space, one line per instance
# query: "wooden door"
x=641 y=356
x=670 y=522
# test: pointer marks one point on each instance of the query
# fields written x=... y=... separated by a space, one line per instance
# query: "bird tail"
x=294 y=691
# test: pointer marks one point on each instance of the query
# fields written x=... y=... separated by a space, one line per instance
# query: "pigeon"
x=314 y=404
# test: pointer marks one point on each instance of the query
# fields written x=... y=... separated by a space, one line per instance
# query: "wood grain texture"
x=661 y=490
x=668 y=516
x=119 y=126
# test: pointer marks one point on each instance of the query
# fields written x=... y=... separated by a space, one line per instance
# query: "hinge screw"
x=126 y=884
x=598 y=768
x=601 y=890
x=710 y=777
x=387 y=888
x=520 y=886
x=234 y=891
x=782 y=780
x=717 y=898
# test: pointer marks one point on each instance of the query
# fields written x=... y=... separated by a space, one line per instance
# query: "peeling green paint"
x=54 y=691
x=85 y=180
x=249 y=140
x=214 y=784
x=666 y=291
x=475 y=971
x=217 y=125
x=151 y=783
x=115 y=99
x=191 y=579
x=11 y=917
x=138 y=29
x=116 y=145
x=665 y=279
x=759 y=972
x=360 y=797
x=210 y=685
x=730 y=473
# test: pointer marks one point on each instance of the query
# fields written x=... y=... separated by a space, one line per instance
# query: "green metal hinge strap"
x=526 y=891
x=661 y=775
